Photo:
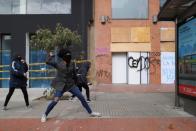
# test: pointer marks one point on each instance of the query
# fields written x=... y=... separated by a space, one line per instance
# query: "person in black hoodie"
x=64 y=81
x=18 y=79
x=82 y=81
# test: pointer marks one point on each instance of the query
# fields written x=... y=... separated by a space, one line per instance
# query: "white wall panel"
x=167 y=67
x=133 y=73
x=119 y=68
x=145 y=70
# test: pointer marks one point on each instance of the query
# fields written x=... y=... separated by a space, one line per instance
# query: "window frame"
x=147 y=16
x=11 y=11
x=47 y=13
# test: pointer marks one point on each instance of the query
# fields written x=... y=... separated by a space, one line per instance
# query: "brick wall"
x=105 y=41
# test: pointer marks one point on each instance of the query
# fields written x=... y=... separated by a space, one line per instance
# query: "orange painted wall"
x=102 y=36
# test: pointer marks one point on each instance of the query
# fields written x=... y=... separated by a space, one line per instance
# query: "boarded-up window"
x=140 y=34
x=167 y=34
x=120 y=35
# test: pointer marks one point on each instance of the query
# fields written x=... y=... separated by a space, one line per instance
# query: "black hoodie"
x=17 y=71
x=83 y=71
x=66 y=75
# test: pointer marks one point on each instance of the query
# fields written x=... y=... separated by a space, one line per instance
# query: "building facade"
x=122 y=38
x=21 y=18
x=131 y=46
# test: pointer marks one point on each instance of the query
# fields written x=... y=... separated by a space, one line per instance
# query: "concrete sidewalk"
x=137 y=108
x=33 y=93
x=111 y=105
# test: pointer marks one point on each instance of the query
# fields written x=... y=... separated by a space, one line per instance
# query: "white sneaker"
x=29 y=107
x=89 y=84
x=95 y=114
x=4 y=108
x=43 y=119
x=88 y=101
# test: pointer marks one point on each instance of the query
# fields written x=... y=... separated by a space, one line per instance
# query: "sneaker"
x=4 y=108
x=88 y=101
x=89 y=84
x=95 y=114
x=43 y=119
x=29 y=106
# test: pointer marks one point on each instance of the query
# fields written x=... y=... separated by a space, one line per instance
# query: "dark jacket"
x=17 y=70
x=82 y=72
x=66 y=75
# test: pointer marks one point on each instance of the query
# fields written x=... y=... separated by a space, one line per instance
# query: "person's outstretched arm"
x=51 y=61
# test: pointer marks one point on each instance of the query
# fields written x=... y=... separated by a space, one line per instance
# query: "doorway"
x=5 y=59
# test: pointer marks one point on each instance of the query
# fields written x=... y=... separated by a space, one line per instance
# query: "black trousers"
x=86 y=87
x=11 y=91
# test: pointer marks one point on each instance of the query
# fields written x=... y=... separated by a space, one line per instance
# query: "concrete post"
x=177 y=98
x=23 y=6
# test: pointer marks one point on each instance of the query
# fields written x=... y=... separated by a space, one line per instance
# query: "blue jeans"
x=74 y=91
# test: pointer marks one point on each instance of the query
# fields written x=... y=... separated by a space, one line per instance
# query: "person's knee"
x=10 y=93
x=80 y=97
x=24 y=90
x=56 y=99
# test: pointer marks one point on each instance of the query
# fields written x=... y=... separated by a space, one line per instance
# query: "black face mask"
x=67 y=58
x=19 y=58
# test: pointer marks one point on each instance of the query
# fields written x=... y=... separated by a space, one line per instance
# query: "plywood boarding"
x=167 y=46
x=120 y=35
x=127 y=47
x=167 y=34
x=140 y=34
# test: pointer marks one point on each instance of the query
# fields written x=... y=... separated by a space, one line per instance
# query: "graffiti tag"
x=144 y=63
x=102 y=51
x=104 y=74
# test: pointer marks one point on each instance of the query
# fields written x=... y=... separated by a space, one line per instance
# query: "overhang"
x=180 y=9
